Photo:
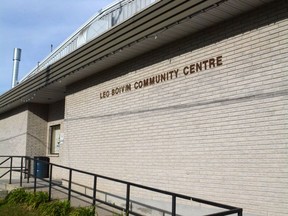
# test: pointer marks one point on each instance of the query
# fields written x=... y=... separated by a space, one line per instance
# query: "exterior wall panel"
x=13 y=137
x=218 y=134
x=13 y=132
x=37 y=130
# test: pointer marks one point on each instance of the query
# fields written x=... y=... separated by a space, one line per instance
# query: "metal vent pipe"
x=16 y=60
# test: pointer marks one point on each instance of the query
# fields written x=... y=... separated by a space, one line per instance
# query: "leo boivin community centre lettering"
x=202 y=65
x=166 y=76
x=156 y=79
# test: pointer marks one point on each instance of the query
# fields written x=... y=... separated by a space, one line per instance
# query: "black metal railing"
x=24 y=167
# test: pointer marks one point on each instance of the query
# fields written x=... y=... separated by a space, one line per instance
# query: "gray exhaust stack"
x=16 y=60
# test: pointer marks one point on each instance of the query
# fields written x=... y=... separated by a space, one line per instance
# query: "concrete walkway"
x=144 y=207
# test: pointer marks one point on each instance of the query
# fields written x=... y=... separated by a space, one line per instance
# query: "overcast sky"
x=33 y=25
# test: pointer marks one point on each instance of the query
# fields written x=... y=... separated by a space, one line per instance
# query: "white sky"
x=33 y=25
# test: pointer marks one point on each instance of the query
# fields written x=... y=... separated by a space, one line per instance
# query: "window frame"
x=52 y=147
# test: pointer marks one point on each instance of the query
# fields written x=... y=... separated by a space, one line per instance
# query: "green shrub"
x=17 y=196
x=55 y=208
x=30 y=199
x=33 y=200
x=2 y=201
x=83 y=211
x=40 y=201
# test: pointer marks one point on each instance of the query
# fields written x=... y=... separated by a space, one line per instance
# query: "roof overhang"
x=167 y=21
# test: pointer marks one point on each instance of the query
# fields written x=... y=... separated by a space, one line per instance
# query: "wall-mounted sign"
x=163 y=77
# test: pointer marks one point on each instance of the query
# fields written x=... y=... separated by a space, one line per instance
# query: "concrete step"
x=4 y=184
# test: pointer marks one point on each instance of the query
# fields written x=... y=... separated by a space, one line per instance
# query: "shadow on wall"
x=14 y=112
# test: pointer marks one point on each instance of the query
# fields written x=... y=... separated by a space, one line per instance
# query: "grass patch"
x=20 y=202
x=83 y=211
x=15 y=210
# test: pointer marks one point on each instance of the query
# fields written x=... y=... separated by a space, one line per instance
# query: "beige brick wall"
x=13 y=136
x=218 y=134
x=13 y=128
x=37 y=130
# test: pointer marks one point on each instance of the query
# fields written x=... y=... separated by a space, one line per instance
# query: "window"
x=54 y=141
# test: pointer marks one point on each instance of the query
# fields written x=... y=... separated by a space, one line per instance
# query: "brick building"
x=186 y=96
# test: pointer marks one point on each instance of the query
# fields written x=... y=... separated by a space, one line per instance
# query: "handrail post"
x=127 y=199
x=35 y=175
x=94 y=190
x=173 y=205
x=29 y=169
x=11 y=164
x=240 y=212
x=69 y=184
x=21 y=169
x=50 y=182
x=26 y=168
